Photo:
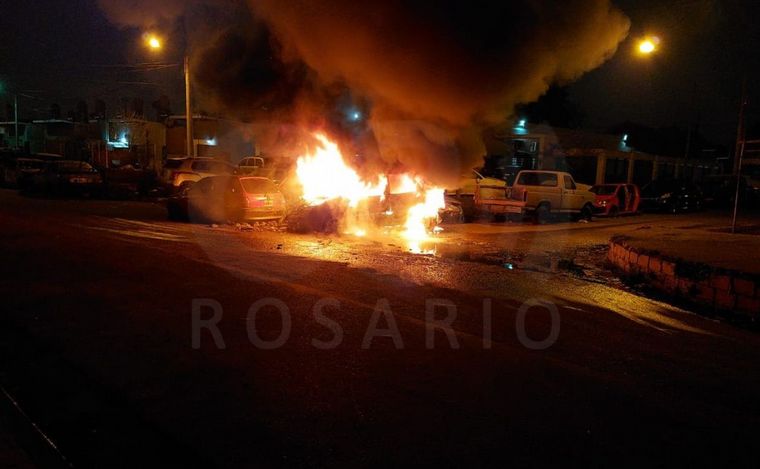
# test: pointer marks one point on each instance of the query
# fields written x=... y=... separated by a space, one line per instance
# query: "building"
x=133 y=141
x=592 y=158
x=212 y=137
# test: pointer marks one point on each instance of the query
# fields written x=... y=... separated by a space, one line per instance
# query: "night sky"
x=64 y=51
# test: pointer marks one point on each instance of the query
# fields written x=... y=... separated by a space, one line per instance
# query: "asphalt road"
x=98 y=337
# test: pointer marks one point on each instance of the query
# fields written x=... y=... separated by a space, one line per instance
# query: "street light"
x=154 y=43
x=648 y=45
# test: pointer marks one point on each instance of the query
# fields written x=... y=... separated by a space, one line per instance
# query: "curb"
x=725 y=290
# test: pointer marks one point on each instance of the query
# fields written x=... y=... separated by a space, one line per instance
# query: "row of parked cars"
x=543 y=194
x=49 y=173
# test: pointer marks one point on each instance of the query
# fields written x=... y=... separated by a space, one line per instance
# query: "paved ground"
x=97 y=345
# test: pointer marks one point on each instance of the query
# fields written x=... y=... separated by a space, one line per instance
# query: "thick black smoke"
x=426 y=76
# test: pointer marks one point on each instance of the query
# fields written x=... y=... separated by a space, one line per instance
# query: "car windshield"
x=258 y=185
x=603 y=190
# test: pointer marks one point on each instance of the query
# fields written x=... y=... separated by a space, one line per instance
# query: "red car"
x=616 y=199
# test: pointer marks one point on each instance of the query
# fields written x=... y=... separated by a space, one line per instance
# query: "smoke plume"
x=426 y=77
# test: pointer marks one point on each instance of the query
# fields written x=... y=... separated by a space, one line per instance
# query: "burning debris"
x=338 y=199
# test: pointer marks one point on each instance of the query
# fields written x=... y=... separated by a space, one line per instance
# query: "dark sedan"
x=228 y=198
x=671 y=196
x=67 y=177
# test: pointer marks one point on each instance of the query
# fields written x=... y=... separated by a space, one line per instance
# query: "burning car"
x=336 y=198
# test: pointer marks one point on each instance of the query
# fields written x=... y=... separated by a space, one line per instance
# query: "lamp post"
x=188 y=110
x=154 y=43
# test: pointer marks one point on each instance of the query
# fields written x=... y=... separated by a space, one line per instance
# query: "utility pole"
x=188 y=110
x=739 y=152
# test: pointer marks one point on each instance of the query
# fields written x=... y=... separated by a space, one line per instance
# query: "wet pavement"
x=100 y=297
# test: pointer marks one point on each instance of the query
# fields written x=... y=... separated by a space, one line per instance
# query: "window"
x=569 y=183
x=258 y=185
x=538 y=179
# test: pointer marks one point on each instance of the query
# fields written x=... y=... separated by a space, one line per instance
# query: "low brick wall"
x=723 y=290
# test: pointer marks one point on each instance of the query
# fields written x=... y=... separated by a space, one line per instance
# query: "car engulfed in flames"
x=339 y=199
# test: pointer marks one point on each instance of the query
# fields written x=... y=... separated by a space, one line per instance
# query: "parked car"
x=671 y=195
x=479 y=196
x=228 y=198
x=66 y=177
x=250 y=164
x=720 y=190
x=179 y=173
x=542 y=194
x=616 y=199
x=19 y=171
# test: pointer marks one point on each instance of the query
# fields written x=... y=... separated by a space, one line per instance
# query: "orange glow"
x=403 y=184
x=325 y=176
x=648 y=45
x=423 y=214
x=153 y=42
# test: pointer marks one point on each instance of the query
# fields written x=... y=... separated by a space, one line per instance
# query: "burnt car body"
x=672 y=196
x=616 y=199
x=66 y=177
x=228 y=198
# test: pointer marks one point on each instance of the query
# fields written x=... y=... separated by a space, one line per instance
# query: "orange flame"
x=324 y=175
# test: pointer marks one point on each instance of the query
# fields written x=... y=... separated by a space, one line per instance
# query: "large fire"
x=324 y=175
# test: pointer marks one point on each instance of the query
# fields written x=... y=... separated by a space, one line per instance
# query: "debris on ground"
x=316 y=219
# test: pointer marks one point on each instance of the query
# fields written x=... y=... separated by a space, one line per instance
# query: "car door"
x=548 y=189
x=571 y=200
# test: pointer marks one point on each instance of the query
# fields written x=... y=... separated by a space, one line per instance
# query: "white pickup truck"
x=535 y=193
x=543 y=193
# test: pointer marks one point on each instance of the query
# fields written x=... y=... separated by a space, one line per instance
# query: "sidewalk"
x=707 y=266
x=714 y=247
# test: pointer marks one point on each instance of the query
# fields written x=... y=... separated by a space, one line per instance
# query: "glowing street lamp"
x=648 y=45
x=154 y=43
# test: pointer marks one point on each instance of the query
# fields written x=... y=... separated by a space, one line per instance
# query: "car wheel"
x=587 y=213
x=614 y=212
x=542 y=214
